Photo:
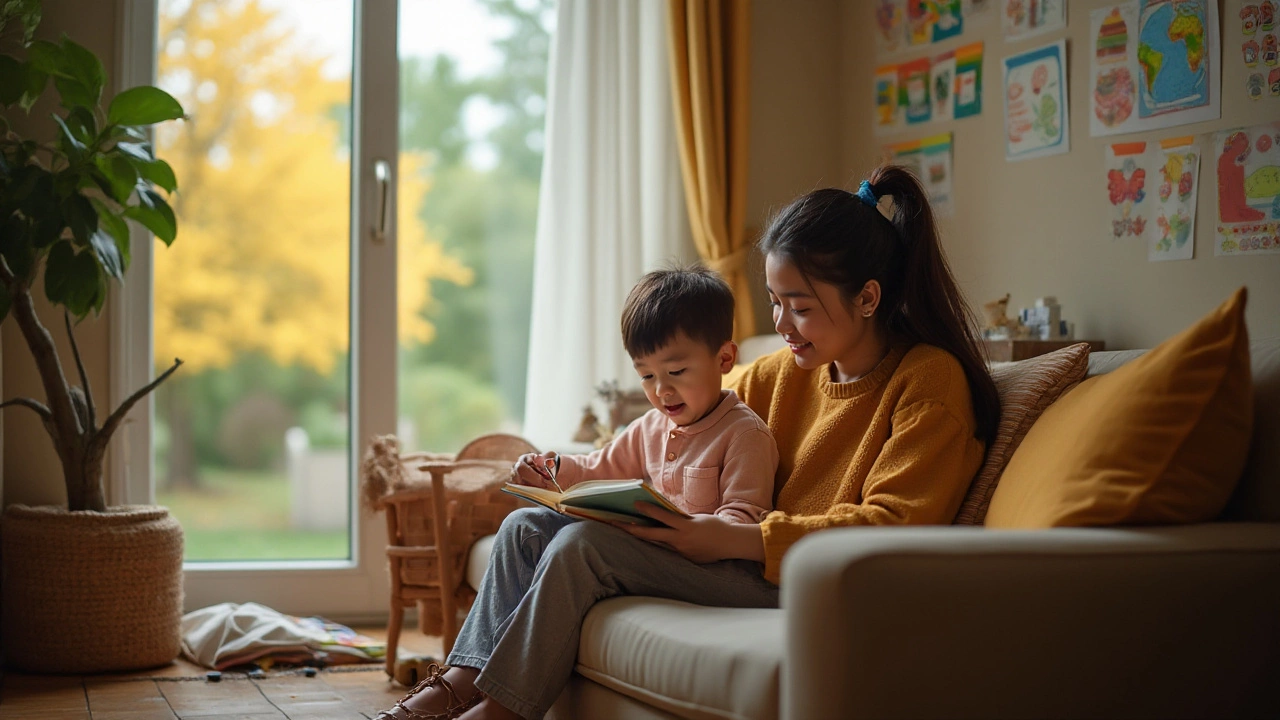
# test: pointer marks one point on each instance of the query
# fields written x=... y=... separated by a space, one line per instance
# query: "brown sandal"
x=454 y=708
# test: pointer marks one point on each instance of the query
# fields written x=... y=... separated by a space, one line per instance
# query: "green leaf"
x=104 y=247
x=46 y=57
x=120 y=173
x=154 y=214
x=114 y=223
x=74 y=94
x=73 y=279
x=35 y=84
x=13 y=80
x=159 y=173
x=140 y=151
x=85 y=68
x=27 y=12
x=81 y=217
x=69 y=141
x=83 y=124
x=143 y=105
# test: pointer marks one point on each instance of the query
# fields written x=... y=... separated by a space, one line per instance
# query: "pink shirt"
x=722 y=464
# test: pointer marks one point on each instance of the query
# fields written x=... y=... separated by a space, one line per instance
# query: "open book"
x=605 y=500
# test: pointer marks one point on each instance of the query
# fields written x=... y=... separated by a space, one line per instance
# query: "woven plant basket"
x=88 y=592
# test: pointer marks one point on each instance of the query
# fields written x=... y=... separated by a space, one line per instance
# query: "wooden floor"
x=168 y=694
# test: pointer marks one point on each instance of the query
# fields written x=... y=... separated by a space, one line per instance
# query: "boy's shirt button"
x=671 y=456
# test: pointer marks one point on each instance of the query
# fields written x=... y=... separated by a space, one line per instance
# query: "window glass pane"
x=473 y=98
x=251 y=433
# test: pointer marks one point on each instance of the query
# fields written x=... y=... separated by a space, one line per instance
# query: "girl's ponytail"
x=929 y=307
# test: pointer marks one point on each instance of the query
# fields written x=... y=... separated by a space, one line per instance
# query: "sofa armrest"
x=967 y=622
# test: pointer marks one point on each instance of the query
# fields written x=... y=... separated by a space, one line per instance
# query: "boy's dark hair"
x=693 y=299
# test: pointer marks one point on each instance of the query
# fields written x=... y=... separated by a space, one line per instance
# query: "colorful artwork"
x=1035 y=103
x=1126 y=166
x=930 y=21
x=1025 y=18
x=930 y=159
x=942 y=86
x=886 y=85
x=1248 y=191
x=1172 y=236
x=913 y=90
x=891 y=26
x=968 y=61
x=1153 y=65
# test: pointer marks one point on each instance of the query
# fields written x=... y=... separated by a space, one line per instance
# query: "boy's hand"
x=533 y=470
x=701 y=538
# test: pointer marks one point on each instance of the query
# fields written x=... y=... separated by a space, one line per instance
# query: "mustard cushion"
x=1161 y=440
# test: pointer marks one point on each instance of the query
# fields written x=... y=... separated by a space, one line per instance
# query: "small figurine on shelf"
x=589 y=429
x=999 y=325
x=1045 y=320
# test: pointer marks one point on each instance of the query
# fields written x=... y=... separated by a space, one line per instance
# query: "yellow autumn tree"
x=262 y=263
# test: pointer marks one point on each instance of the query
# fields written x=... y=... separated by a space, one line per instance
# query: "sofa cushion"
x=1162 y=439
x=1026 y=388
x=689 y=660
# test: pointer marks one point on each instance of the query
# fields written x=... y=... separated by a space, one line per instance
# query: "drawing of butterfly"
x=1122 y=189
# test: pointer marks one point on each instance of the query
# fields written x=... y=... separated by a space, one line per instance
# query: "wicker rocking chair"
x=436 y=506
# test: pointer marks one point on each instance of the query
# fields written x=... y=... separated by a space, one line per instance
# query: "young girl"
x=881 y=407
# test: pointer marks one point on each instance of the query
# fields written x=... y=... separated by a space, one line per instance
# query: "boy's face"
x=682 y=378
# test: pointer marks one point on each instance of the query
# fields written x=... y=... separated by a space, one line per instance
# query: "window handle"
x=382 y=175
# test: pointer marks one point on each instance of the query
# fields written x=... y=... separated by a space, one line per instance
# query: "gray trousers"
x=545 y=573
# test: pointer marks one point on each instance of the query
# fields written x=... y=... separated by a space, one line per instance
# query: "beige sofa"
x=939 y=622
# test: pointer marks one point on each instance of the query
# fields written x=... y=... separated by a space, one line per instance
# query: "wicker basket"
x=88 y=592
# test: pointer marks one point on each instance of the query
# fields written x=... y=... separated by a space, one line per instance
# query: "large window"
x=252 y=438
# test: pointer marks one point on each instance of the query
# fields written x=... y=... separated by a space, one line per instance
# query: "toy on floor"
x=410 y=671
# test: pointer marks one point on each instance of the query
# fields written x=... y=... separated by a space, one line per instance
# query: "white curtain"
x=611 y=207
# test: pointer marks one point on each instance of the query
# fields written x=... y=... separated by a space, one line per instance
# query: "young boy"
x=700 y=445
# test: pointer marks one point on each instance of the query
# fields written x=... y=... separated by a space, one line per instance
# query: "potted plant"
x=86 y=588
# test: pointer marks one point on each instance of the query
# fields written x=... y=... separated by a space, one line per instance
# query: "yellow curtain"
x=709 y=78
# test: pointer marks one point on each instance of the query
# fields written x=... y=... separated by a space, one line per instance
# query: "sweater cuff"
x=779 y=535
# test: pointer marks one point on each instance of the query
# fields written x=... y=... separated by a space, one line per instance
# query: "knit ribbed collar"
x=865 y=384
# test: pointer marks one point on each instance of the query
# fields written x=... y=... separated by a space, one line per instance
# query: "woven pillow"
x=1026 y=388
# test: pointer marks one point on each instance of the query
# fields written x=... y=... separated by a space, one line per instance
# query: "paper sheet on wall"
x=886 y=98
x=1153 y=64
x=979 y=13
x=968 y=80
x=1126 y=169
x=930 y=159
x=1026 y=18
x=1172 y=235
x=1248 y=221
x=942 y=86
x=913 y=91
x=1035 y=103
x=930 y=21
x=891 y=26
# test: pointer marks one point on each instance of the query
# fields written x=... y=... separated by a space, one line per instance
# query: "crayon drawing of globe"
x=1173 y=57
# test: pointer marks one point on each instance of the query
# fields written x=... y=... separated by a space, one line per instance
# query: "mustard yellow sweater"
x=894 y=447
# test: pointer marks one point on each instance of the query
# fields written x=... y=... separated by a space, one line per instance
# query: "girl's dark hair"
x=833 y=236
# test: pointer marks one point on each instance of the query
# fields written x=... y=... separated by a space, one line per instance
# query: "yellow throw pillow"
x=1161 y=440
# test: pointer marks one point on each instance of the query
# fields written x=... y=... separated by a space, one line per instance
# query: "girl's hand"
x=701 y=538
x=532 y=469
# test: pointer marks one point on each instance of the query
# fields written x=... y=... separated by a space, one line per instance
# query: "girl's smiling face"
x=818 y=323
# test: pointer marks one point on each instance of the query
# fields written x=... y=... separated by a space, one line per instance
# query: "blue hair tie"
x=867 y=194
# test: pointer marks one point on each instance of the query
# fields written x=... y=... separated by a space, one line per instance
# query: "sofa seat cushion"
x=689 y=660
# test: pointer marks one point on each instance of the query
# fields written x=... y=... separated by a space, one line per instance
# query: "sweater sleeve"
x=919 y=478
x=746 y=480
x=621 y=459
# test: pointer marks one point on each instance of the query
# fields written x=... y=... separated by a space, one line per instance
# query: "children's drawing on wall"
x=1173 y=236
x=1127 y=190
x=930 y=159
x=1024 y=18
x=968 y=80
x=1035 y=103
x=890 y=26
x=978 y=13
x=930 y=21
x=913 y=90
x=886 y=98
x=1153 y=64
x=942 y=86
x=1248 y=190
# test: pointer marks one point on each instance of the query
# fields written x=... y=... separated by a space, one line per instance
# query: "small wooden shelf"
x=1007 y=350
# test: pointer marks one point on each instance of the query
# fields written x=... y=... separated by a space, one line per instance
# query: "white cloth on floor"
x=228 y=634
